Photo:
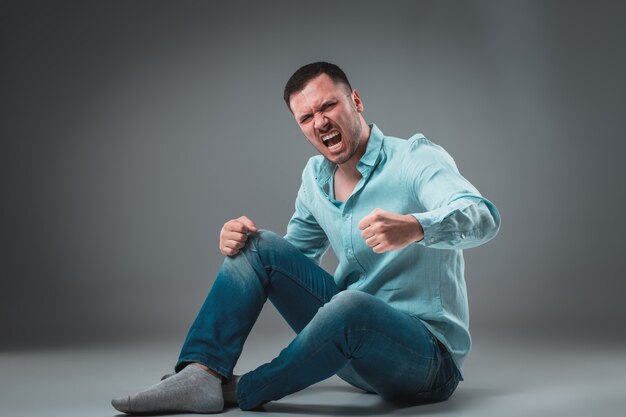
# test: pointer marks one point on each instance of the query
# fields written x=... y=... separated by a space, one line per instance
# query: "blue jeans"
x=352 y=334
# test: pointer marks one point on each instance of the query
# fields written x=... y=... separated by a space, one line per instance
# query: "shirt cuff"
x=428 y=222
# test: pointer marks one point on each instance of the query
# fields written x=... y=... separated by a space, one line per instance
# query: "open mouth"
x=332 y=140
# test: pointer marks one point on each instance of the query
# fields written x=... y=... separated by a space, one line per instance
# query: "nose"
x=320 y=121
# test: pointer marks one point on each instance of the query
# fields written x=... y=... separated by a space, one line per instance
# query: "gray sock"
x=191 y=390
x=168 y=375
x=230 y=390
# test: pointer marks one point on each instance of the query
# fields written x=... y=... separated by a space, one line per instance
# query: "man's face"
x=329 y=116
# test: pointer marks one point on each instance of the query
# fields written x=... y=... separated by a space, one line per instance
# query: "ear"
x=356 y=99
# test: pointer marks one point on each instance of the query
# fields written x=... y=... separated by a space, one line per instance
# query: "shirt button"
x=432 y=240
x=349 y=251
x=347 y=216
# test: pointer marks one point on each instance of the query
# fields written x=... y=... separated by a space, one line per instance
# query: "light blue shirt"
x=425 y=279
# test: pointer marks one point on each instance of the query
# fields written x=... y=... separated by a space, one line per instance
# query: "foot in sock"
x=228 y=388
x=190 y=390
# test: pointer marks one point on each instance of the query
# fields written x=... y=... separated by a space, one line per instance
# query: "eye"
x=305 y=119
x=327 y=106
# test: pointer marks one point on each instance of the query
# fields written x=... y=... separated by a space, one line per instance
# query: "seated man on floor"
x=392 y=320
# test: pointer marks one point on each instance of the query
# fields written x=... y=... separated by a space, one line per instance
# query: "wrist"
x=418 y=231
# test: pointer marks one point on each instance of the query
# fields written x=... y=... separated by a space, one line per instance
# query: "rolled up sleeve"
x=456 y=215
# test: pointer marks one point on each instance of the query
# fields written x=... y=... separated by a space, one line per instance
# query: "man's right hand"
x=234 y=235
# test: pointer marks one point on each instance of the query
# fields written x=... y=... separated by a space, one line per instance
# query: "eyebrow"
x=325 y=104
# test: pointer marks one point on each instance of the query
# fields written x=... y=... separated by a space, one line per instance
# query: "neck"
x=348 y=168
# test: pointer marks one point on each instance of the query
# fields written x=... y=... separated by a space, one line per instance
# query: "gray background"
x=131 y=131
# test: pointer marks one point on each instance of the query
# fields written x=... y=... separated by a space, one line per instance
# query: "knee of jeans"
x=349 y=315
x=266 y=244
x=352 y=306
x=268 y=237
x=263 y=240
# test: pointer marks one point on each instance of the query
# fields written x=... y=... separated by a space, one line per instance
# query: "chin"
x=339 y=160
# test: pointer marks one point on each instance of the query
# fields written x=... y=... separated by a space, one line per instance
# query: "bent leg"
x=391 y=350
x=268 y=266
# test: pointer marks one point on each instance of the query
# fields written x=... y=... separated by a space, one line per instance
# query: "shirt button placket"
x=347 y=217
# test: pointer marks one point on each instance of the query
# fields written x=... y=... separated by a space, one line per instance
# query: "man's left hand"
x=386 y=231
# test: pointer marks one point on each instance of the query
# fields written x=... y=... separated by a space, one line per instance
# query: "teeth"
x=335 y=146
x=329 y=136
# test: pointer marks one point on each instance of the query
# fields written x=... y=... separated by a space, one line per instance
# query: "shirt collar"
x=374 y=144
x=369 y=158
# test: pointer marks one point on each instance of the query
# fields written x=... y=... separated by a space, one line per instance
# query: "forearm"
x=311 y=241
x=464 y=223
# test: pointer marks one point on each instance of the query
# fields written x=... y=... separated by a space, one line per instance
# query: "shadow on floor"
x=372 y=405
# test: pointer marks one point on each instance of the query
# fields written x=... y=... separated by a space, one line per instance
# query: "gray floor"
x=504 y=377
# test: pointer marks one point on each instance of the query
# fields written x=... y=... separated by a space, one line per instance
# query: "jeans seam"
x=224 y=371
x=273 y=268
x=429 y=357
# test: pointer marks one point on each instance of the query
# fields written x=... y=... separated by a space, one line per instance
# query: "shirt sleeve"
x=456 y=215
x=304 y=232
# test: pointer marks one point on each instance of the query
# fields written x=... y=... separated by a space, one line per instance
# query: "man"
x=393 y=320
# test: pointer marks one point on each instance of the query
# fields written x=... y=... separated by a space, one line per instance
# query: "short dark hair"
x=306 y=73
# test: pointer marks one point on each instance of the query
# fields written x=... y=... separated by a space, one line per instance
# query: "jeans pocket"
x=439 y=393
x=445 y=378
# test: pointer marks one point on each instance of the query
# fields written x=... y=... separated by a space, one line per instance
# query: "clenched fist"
x=386 y=231
x=233 y=235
